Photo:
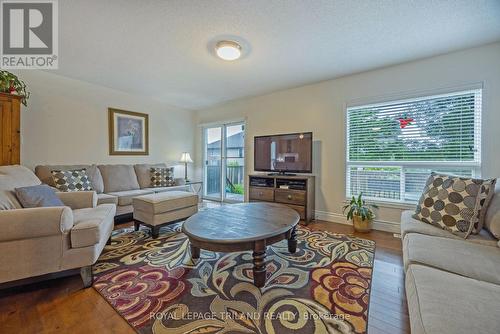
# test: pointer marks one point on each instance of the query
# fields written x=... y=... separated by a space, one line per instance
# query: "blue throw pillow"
x=38 y=196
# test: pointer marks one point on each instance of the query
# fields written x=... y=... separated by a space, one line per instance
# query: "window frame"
x=476 y=165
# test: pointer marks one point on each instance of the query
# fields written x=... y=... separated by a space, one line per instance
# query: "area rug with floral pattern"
x=155 y=285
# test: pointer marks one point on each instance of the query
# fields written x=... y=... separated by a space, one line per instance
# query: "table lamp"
x=186 y=158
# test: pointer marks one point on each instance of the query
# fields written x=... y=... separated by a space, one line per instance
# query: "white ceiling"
x=162 y=49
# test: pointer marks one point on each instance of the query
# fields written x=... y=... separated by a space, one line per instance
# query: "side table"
x=197 y=191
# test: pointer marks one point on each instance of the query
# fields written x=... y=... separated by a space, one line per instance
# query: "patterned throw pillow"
x=71 y=180
x=456 y=204
x=162 y=177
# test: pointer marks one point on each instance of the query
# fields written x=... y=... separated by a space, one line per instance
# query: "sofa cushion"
x=492 y=219
x=486 y=198
x=441 y=302
x=71 y=180
x=162 y=177
x=412 y=225
x=166 y=201
x=12 y=177
x=124 y=209
x=163 y=189
x=44 y=173
x=125 y=197
x=91 y=224
x=38 y=196
x=143 y=172
x=454 y=203
x=107 y=199
x=96 y=178
x=457 y=256
x=118 y=178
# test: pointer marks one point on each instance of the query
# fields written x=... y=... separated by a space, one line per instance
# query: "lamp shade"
x=185 y=157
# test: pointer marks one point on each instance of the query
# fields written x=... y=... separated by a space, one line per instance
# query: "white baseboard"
x=380 y=225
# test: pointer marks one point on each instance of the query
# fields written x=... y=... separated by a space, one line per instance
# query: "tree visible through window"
x=393 y=146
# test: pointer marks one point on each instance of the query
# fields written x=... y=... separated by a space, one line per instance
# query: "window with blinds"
x=392 y=147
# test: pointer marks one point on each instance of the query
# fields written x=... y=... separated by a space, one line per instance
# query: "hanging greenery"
x=10 y=83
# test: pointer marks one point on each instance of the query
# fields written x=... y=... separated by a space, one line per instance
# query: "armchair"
x=39 y=241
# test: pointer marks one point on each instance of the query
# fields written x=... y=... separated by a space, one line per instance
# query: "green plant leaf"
x=8 y=80
x=359 y=207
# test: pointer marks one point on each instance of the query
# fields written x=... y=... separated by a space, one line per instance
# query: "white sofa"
x=115 y=184
x=452 y=284
x=39 y=241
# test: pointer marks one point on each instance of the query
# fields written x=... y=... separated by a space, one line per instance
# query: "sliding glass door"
x=224 y=169
x=212 y=170
x=234 y=159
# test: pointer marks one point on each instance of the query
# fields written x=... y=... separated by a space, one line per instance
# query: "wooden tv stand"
x=299 y=195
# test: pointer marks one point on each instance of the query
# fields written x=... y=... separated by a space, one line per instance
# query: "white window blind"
x=392 y=147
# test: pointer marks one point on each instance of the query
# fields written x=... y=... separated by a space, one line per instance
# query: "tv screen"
x=283 y=153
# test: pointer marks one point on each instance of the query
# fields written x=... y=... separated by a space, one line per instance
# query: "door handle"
x=289 y=196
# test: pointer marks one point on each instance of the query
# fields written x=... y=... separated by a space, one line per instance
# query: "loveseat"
x=452 y=284
x=43 y=240
x=114 y=184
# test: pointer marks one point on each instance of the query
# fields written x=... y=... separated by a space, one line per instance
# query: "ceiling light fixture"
x=228 y=50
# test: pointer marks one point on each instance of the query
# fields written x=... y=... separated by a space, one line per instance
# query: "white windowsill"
x=387 y=204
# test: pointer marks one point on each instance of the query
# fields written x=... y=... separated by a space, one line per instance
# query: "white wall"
x=321 y=108
x=66 y=121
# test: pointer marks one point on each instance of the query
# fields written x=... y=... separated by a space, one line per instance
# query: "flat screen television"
x=284 y=153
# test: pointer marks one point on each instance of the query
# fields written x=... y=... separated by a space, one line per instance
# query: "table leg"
x=195 y=252
x=292 y=241
x=259 y=264
x=136 y=225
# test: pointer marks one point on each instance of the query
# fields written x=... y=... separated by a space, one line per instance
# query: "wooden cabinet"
x=296 y=192
x=262 y=194
x=10 y=137
x=290 y=196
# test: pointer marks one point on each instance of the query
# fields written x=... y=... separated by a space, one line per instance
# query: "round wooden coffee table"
x=243 y=227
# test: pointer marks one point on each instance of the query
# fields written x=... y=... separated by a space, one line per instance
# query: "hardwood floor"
x=388 y=312
x=63 y=306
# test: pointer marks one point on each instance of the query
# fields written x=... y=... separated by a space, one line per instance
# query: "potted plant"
x=360 y=213
x=11 y=84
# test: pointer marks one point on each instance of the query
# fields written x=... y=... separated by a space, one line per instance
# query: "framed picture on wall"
x=128 y=132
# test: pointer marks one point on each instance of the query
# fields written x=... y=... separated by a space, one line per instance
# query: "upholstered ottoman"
x=155 y=210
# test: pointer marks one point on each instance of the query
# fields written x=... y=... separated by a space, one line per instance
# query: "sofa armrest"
x=78 y=199
x=35 y=222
